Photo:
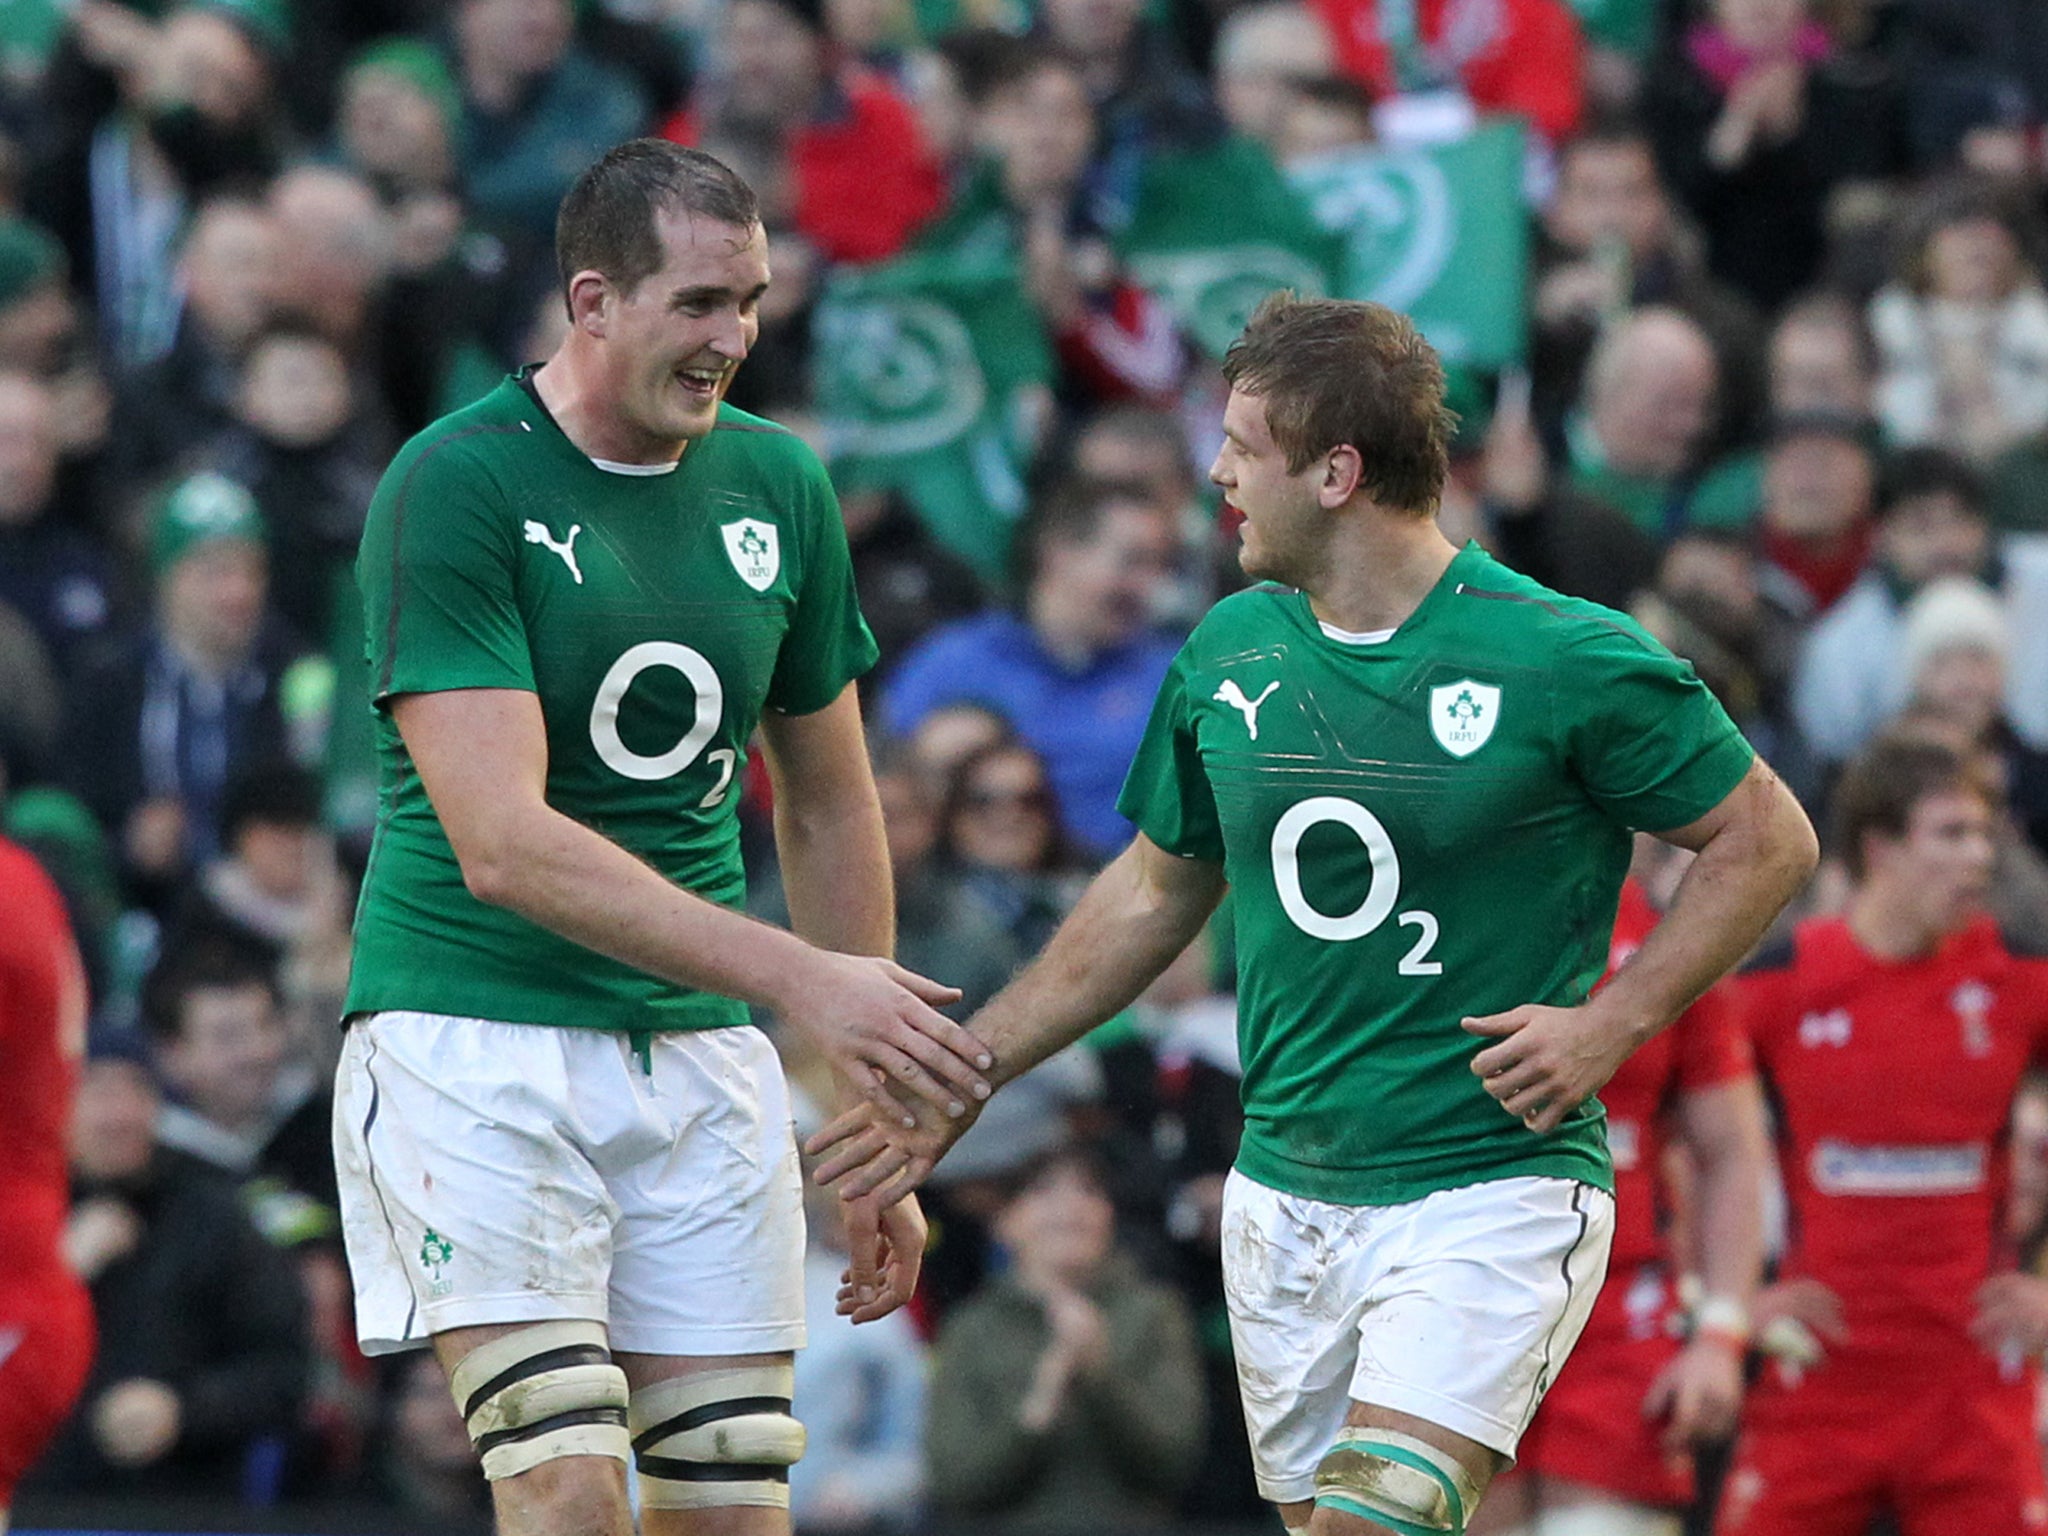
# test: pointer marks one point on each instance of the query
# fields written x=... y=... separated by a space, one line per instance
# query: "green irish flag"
x=1439 y=233
x=934 y=379
x=1213 y=231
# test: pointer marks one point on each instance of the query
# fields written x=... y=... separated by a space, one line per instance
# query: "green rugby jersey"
x=1416 y=831
x=654 y=615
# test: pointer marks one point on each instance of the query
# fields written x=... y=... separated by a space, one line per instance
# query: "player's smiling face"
x=1283 y=518
x=673 y=343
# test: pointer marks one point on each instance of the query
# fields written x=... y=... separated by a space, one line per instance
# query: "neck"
x=569 y=387
x=1885 y=923
x=1376 y=569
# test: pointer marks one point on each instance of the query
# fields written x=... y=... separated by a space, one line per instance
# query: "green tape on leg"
x=1351 y=1506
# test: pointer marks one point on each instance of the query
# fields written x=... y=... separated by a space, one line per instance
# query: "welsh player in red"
x=46 y=1332
x=1610 y=1450
x=1894 y=1038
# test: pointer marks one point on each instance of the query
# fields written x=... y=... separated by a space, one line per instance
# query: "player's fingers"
x=852 y=1123
x=1522 y=1077
x=952 y=1063
x=934 y=992
x=1495 y=1023
x=904 y=1071
x=848 y=1156
x=1496 y=1059
x=874 y=1174
x=863 y=1242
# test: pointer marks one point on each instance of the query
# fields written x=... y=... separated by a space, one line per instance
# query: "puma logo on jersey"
x=1830 y=1028
x=1233 y=695
x=537 y=533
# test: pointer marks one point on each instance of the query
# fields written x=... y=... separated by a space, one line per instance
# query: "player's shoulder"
x=739 y=435
x=38 y=909
x=1255 y=615
x=1486 y=593
x=479 y=437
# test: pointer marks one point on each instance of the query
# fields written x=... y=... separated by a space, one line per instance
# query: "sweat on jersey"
x=1418 y=830
x=655 y=615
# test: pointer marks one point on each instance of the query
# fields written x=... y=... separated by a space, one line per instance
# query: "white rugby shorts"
x=1458 y=1308
x=508 y=1173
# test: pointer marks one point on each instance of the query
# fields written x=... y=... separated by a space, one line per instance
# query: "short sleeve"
x=1166 y=793
x=1644 y=736
x=436 y=568
x=828 y=644
x=1713 y=1046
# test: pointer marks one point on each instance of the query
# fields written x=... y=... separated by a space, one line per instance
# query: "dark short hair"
x=1344 y=372
x=1070 y=511
x=207 y=966
x=606 y=222
x=1879 y=789
x=278 y=794
x=1929 y=471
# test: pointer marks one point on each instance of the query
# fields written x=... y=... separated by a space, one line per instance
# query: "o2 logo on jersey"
x=1381 y=897
x=703 y=679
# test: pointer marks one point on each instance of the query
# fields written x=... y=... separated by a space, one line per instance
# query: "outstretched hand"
x=886 y=1242
x=878 y=1026
x=884 y=1152
x=1547 y=1061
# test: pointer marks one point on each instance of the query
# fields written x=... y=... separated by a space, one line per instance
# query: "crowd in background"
x=1760 y=355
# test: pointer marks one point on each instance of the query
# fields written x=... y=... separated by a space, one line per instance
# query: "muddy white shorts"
x=506 y=1173
x=1458 y=1308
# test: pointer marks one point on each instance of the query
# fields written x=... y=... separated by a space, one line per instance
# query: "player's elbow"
x=493 y=868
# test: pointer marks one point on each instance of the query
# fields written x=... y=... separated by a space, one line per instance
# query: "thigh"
x=1476 y=1299
x=1800 y=1469
x=707 y=1386
x=465 y=1200
x=46 y=1344
x=1976 y=1468
x=1294 y=1305
x=708 y=1256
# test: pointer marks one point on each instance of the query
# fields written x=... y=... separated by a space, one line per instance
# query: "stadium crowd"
x=1745 y=307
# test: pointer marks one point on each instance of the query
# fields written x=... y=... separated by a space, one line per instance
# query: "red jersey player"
x=46 y=1329
x=1609 y=1452
x=1894 y=1039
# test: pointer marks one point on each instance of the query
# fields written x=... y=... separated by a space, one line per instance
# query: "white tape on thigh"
x=716 y=1438
x=1607 y=1520
x=542 y=1392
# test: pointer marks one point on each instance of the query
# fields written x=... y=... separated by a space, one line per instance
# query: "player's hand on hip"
x=886 y=1243
x=878 y=1025
x=1795 y=1320
x=1546 y=1062
x=871 y=1151
x=2012 y=1314
x=1697 y=1394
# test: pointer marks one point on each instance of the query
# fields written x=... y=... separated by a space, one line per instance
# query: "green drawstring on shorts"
x=642 y=1041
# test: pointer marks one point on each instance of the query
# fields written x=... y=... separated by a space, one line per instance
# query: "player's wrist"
x=1722 y=1321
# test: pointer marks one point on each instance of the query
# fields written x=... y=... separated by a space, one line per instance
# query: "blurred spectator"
x=1758 y=119
x=51 y=573
x=38 y=321
x=536 y=107
x=946 y=736
x=236 y=1100
x=1822 y=360
x=860 y=1393
x=194 y=696
x=335 y=256
x=232 y=271
x=1963 y=334
x=1036 y=127
x=1321 y=116
x=1076 y=669
x=860 y=177
x=310 y=458
x=424 y=1463
x=908 y=582
x=1647 y=414
x=1549 y=528
x=1067 y=1393
x=1969 y=65
x=398 y=117
x=202 y=1357
x=1520 y=56
x=31 y=702
x=196 y=110
x=1930 y=523
x=45 y=1314
x=999 y=835
x=1816 y=522
x=1264 y=51
x=1609 y=242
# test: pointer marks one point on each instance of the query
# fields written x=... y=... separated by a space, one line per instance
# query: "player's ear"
x=1343 y=468
x=590 y=303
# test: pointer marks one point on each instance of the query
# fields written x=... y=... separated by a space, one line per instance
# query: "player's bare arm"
x=1756 y=850
x=1699 y=1393
x=834 y=855
x=481 y=754
x=1135 y=917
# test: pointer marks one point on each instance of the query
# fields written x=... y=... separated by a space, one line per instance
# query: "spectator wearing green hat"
x=162 y=720
x=38 y=321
